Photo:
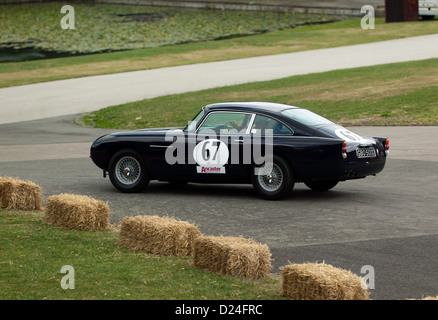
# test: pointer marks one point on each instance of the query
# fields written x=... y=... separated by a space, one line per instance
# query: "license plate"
x=366 y=153
x=426 y=5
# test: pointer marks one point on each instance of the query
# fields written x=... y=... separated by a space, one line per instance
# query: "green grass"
x=392 y=94
x=347 y=32
x=105 y=27
x=32 y=254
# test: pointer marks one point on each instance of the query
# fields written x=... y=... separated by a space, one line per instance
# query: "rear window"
x=305 y=117
x=263 y=123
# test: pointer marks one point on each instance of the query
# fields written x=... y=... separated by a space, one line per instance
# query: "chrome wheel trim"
x=271 y=181
x=128 y=170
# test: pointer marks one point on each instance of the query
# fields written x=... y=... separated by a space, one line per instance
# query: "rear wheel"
x=273 y=181
x=321 y=185
x=127 y=171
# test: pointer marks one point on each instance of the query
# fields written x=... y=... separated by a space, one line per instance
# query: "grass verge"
x=309 y=37
x=32 y=254
x=391 y=94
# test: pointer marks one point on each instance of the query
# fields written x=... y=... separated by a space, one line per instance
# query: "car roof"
x=264 y=107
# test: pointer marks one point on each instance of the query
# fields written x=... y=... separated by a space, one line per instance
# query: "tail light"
x=387 y=146
x=344 y=149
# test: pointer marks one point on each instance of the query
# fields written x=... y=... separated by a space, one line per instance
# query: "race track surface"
x=388 y=222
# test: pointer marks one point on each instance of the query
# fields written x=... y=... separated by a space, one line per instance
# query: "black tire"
x=127 y=171
x=321 y=185
x=276 y=184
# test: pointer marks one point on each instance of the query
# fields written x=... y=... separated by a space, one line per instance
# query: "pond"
x=35 y=32
x=26 y=54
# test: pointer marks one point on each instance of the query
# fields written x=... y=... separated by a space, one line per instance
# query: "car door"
x=268 y=136
x=223 y=147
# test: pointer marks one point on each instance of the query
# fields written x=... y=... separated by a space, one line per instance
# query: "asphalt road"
x=57 y=98
x=389 y=222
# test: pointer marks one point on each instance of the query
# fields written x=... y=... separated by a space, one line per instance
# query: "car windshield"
x=191 y=126
x=305 y=116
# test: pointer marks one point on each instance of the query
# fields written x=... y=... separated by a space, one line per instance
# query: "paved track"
x=43 y=100
x=389 y=222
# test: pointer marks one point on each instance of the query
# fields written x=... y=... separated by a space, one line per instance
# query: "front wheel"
x=274 y=180
x=127 y=171
x=321 y=185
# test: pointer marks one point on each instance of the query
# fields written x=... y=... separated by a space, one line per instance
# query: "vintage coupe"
x=269 y=145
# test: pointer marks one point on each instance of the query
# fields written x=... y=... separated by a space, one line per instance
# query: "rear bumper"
x=342 y=169
x=356 y=170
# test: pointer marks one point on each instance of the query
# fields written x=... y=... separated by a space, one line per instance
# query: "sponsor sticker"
x=211 y=155
x=207 y=169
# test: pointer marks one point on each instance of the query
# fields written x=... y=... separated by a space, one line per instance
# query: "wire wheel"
x=128 y=170
x=271 y=181
x=275 y=180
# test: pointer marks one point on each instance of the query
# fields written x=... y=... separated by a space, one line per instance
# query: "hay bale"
x=430 y=298
x=158 y=235
x=235 y=256
x=16 y=194
x=77 y=212
x=320 y=281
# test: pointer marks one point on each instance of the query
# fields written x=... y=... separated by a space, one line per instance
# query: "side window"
x=262 y=123
x=226 y=122
x=191 y=125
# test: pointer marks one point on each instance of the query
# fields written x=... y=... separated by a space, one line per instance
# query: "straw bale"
x=235 y=256
x=158 y=235
x=16 y=194
x=77 y=212
x=320 y=281
x=430 y=298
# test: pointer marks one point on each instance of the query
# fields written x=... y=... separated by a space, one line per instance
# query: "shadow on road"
x=243 y=192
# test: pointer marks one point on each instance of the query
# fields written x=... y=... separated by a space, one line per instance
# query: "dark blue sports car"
x=271 y=146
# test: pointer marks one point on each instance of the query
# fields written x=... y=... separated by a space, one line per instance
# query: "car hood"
x=151 y=131
x=122 y=135
x=160 y=129
x=336 y=131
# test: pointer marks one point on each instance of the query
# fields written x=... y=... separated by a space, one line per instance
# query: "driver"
x=236 y=126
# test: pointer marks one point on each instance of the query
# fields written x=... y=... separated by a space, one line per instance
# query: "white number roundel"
x=211 y=152
x=348 y=136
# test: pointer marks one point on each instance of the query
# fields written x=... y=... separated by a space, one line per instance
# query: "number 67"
x=206 y=150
